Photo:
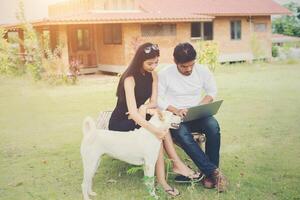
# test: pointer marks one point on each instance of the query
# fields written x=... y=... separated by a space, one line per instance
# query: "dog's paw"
x=93 y=193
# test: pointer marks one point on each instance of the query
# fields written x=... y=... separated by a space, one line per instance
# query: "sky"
x=34 y=9
x=38 y=9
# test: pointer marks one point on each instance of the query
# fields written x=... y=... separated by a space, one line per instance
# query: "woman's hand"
x=143 y=110
x=161 y=133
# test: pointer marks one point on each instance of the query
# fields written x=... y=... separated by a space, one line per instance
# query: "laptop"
x=202 y=111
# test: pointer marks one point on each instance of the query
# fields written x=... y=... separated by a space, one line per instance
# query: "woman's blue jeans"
x=206 y=161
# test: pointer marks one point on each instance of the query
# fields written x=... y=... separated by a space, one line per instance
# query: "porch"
x=116 y=69
x=91 y=46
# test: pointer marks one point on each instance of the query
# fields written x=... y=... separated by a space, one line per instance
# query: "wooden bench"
x=103 y=120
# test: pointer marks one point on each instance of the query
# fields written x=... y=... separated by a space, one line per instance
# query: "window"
x=202 y=30
x=207 y=31
x=112 y=34
x=118 y=4
x=235 y=29
x=149 y=30
x=260 y=27
x=83 y=39
x=196 y=30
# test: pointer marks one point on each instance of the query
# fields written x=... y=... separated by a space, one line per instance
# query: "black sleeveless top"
x=143 y=89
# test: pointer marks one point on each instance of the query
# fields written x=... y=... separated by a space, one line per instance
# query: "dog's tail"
x=88 y=126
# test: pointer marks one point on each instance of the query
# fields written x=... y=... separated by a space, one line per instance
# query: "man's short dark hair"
x=184 y=52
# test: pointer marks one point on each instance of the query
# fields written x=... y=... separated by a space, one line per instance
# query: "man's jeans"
x=207 y=162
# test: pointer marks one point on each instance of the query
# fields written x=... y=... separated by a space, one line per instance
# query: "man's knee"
x=212 y=126
x=182 y=135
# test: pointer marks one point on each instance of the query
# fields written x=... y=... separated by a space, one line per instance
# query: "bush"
x=10 y=61
x=42 y=63
x=288 y=24
x=54 y=70
x=4 y=58
x=208 y=53
x=275 y=52
x=257 y=47
x=31 y=43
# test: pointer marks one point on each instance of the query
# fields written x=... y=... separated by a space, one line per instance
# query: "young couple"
x=175 y=88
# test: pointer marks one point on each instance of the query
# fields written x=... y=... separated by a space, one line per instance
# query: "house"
x=280 y=40
x=287 y=47
x=105 y=33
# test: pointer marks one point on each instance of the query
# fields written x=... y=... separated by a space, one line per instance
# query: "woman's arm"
x=129 y=85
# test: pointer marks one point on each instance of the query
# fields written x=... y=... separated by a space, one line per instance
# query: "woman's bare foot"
x=182 y=169
x=170 y=190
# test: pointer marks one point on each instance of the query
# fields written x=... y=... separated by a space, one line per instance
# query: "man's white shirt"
x=183 y=91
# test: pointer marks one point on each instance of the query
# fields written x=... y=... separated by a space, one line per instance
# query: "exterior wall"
x=264 y=38
x=234 y=50
x=109 y=54
x=132 y=35
x=63 y=40
x=230 y=50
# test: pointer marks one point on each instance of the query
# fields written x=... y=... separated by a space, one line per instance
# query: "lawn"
x=40 y=135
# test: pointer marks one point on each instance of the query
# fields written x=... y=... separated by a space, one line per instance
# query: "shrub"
x=275 y=52
x=4 y=58
x=33 y=58
x=208 y=52
x=257 y=47
x=42 y=63
x=10 y=61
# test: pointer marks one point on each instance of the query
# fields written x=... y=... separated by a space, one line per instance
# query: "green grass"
x=40 y=135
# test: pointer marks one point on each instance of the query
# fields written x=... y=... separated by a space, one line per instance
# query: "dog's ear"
x=151 y=111
x=168 y=113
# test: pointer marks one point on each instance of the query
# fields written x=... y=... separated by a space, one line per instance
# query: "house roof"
x=279 y=38
x=124 y=17
x=217 y=7
x=172 y=11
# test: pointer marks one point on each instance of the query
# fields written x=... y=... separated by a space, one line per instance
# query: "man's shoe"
x=220 y=181
x=208 y=183
x=186 y=179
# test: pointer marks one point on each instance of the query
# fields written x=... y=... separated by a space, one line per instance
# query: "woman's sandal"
x=172 y=192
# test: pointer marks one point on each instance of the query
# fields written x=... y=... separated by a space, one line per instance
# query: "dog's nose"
x=175 y=125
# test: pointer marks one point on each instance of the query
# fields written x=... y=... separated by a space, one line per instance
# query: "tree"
x=33 y=59
x=290 y=24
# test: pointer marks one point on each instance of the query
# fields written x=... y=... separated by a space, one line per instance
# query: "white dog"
x=138 y=147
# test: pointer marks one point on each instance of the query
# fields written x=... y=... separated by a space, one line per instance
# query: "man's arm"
x=162 y=102
x=176 y=111
x=206 y=99
x=161 y=90
x=209 y=87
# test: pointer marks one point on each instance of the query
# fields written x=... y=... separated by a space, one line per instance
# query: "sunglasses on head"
x=149 y=48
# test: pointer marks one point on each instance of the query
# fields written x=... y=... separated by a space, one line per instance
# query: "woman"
x=137 y=92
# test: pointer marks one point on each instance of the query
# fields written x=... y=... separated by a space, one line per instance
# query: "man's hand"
x=207 y=99
x=181 y=112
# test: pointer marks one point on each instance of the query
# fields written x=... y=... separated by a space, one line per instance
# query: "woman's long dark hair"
x=136 y=65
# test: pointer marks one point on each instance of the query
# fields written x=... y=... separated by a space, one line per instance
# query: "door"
x=81 y=45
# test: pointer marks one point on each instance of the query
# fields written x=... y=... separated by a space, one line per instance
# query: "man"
x=179 y=87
